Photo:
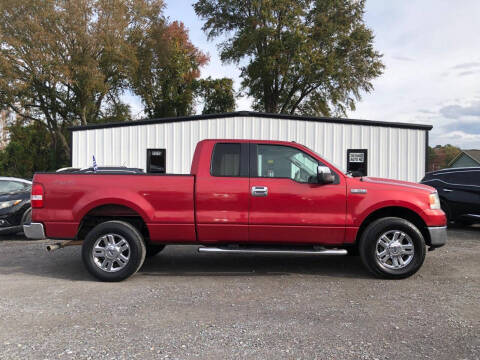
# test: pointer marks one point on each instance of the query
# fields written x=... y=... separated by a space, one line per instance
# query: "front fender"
x=360 y=214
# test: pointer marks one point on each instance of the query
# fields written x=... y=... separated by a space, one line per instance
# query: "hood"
x=404 y=184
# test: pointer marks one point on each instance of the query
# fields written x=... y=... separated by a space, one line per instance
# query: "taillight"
x=37 y=196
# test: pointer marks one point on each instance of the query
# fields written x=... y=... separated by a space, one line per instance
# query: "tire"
x=409 y=246
x=153 y=250
x=27 y=217
x=125 y=240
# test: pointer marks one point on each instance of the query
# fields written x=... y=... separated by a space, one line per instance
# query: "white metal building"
x=390 y=150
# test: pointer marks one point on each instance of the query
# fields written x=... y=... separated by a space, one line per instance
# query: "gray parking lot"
x=184 y=305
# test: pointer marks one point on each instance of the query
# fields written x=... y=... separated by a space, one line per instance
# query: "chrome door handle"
x=259 y=191
x=447 y=190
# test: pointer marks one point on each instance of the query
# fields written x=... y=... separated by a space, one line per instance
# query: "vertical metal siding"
x=392 y=152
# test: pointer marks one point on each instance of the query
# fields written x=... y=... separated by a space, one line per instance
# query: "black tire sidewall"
x=131 y=235
x=369 y=241
x=27 y=217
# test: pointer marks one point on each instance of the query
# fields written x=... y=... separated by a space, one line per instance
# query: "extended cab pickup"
x=241 y=196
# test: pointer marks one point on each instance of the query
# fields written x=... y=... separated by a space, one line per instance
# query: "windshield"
x=12 y=186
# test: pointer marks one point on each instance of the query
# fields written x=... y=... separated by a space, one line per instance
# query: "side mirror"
x=325 y=176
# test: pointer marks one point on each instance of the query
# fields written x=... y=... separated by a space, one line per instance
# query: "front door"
x=287 y=205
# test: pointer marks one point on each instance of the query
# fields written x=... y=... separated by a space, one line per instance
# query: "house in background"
x=467 y=158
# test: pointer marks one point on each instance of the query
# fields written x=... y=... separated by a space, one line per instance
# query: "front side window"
x=226 y=160
x=276 y=161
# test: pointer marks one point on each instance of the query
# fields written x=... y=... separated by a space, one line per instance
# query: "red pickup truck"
x=242 y=196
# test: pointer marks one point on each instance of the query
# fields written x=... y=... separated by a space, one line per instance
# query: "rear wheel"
x=113 y=251
x=392 y=248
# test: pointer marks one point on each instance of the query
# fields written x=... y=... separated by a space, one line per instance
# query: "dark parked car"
x=15 y=209
x=459 y=191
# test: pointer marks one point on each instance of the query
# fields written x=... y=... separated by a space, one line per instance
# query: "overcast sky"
x=431 y=50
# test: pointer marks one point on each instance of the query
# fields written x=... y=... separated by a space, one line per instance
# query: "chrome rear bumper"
x=438 y=235
x=34 y=231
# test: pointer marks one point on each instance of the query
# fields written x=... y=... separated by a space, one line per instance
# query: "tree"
x=65 y=63
x=217 y=95
x=28 y=151
x=115 y=112
x=301 y=56
x=168 y=66
x=440 y=156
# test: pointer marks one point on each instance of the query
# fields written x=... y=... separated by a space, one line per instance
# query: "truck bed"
x=165 y=202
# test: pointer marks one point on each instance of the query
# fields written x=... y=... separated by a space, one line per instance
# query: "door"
x=287 y=205
x=222 y=194
x=461 y=190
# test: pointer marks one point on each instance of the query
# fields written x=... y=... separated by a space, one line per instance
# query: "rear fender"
x=131 y=200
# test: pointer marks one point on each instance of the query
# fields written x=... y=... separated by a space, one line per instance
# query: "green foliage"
x=115 y=112
x=217 y=95
x=64 y=63
x=29 y=150
x=301 y=56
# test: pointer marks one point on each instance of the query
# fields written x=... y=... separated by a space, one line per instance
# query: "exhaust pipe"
x=56 y=246
x=53 y=247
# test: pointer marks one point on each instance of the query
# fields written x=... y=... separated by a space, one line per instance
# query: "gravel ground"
x=184 y=305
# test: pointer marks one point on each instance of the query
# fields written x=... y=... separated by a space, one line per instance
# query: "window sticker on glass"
x=356 y=157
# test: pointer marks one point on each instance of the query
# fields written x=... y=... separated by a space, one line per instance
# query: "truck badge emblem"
x=358 y=191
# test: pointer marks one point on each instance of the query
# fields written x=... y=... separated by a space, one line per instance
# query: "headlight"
x=434 y=201
x=7 y=204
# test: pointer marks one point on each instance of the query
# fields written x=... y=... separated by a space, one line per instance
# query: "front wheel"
x=113 y=251
x=392 y=248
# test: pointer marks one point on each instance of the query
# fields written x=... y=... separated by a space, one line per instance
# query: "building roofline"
x=473 y=156
x=460 y=154
x=253 y=114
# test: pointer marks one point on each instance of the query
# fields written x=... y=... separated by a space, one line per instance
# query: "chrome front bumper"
x=438 y=235
x=34 y=231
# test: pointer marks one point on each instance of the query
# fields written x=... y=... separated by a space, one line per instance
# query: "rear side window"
x=226 y=160
x=473 y=178
x=465 y=178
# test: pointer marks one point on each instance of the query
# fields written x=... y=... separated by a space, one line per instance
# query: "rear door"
x=222 y=194
x=286 y=206
x=462 y=190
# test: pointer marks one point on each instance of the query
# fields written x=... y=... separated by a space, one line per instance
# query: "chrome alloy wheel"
x=394 y=250
x=111 y=252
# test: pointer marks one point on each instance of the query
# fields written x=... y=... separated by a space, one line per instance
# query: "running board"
x=206 y=249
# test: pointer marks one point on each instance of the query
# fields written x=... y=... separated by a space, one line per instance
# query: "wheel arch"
x=112 y=211
x=395 y=211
